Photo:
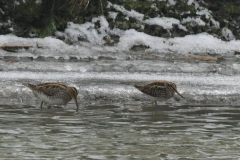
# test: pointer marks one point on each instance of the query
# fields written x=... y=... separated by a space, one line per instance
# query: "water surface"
x=120 y=131
x=115 y=120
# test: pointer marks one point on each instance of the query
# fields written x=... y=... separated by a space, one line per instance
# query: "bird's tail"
x=138 y=87
x=31 y=86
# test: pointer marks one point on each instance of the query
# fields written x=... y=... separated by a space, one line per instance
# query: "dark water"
x=120 y=131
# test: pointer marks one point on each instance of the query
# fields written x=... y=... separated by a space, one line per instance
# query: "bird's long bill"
x=178 y=93
x=75 y=99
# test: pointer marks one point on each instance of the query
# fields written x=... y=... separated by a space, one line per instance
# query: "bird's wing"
x=155 y=89
x=51 y=89
x=162 y=84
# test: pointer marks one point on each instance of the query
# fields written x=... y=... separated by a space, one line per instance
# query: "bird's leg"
x=75 y=98
x=41 y=105
x=154 y=102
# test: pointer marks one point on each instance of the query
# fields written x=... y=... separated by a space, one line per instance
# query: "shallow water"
x=114 y=131
x=116 y=121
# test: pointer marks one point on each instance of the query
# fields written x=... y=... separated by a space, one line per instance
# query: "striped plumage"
x=159 y=90
x=54 y=93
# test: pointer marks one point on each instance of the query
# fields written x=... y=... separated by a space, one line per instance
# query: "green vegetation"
x=45 y=18
x=230 y=9
x=42 y=18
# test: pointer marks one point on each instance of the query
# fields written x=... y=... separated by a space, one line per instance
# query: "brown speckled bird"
x=159 y=90
x=54 y=93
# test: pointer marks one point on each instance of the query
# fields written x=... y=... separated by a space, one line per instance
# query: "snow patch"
x=16 y=2
x=200 y=43
x=171 y=3
x=131 y=13
x=112 y=15
x=215 y=23
x=38 y=1
x=154 y=7
x=227 y=34
x=205 y=12
x=166 y=23
x=1 y=11
x=193 y=21
x=190 y=2
x=87 y=31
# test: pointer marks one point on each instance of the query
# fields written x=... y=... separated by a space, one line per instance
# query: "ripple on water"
x=120 y=132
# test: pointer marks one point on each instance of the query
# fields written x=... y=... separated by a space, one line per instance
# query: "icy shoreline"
x=205 y=68
x=110 y=87
x=201 y=44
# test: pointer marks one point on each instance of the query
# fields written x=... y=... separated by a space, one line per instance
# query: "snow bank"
x=166 y=23
x=201 y=43
x=91 y=36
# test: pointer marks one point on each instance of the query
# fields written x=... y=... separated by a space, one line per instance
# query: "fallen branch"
x=14 y=48
x=237 y=52
x=204 y=58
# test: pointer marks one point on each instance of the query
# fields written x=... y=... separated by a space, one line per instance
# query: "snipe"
x=54 y=93
x=159 y=90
